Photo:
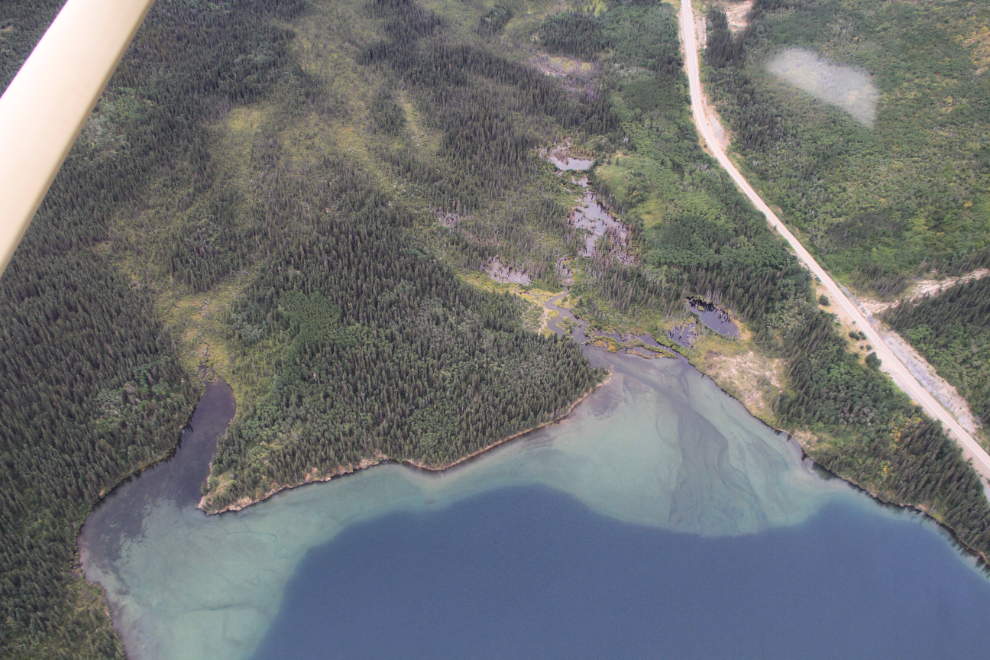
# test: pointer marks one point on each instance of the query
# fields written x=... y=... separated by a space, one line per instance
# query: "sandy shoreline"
x=382 y=458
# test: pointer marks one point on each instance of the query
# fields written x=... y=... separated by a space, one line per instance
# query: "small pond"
x=713 y=316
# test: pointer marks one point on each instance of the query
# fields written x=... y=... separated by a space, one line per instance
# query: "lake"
x=658 y=520
x=533 y=573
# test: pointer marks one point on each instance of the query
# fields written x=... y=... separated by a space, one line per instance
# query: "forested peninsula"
x=303 y=198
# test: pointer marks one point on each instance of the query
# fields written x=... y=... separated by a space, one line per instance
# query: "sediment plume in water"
x=659 y=447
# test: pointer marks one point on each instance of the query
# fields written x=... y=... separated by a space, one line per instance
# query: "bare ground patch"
x=754 y=379
x=939 y=388
x=859 y=347
x=979 y=41
x=505 y=274
x=577 y=76
x=925 y=373
x=562 y=67
x=738 y=14
x=928 y=287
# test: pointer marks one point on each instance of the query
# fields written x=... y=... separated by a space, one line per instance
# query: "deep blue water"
x=531 y=573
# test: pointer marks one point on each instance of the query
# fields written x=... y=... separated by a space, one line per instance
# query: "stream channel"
x=658 y=520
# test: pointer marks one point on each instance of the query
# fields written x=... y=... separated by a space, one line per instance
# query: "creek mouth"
x=119 y=517
x=659 y=448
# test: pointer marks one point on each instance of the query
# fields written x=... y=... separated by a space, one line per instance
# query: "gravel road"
x=898 y=372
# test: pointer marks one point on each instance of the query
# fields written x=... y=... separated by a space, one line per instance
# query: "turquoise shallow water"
x=660 y=450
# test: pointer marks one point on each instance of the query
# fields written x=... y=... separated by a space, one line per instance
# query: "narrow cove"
x=658 y=519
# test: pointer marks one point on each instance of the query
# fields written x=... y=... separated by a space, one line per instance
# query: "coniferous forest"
x=698 y=236
x=92 y=388
x=297 y=195
x=952 y=331
x=97 y=382
x=876 y=200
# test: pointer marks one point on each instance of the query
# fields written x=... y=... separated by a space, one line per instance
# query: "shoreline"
x=382 y=459
x=239 y=505
x=983 y=561
x=136 y=473
x=899 y=374
x=473 y=455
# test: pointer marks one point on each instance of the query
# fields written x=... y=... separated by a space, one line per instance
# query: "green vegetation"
x=419 y=366
x=89 y=392
x=489 y=113
x=91 y=387
x=873 y=435
x=872 y=361
x=386 y=351
x=952 y=332
x=153 y=208
x=634 y=36
x=301 y=196
x=494 y=20
x=697 y=236
x=874 y=203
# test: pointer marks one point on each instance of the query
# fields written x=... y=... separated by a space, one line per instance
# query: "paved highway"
x=891 y=364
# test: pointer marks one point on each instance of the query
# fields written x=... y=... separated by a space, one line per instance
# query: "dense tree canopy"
x=952 y=331
x=880 y=200
x=331 y=206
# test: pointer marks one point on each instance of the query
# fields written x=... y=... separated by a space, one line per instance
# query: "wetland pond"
x=571 y=164
x=658 y=520
x=713 y=316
